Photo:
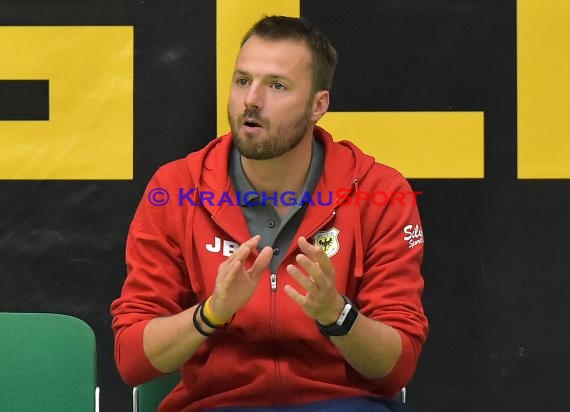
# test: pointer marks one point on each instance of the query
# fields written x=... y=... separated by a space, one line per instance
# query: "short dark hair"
x=324 y=57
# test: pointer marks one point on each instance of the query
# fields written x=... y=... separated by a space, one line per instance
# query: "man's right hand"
x=235 y=284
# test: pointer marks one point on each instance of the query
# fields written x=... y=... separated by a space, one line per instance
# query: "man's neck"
x=285 y=173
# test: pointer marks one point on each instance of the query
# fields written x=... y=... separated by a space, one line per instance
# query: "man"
x=269 y=301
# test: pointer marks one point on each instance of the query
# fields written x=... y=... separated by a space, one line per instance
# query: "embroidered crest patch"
x=328 y=241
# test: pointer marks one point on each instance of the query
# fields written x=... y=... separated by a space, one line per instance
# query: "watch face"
x=343 y=314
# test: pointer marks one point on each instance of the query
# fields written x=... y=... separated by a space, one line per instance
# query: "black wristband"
x=208 y=321
x=344 y=323
x=197 y=324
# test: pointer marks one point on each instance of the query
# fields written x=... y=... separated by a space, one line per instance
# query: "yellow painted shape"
x=89 y=134
x=543 y=50
x=419 y=144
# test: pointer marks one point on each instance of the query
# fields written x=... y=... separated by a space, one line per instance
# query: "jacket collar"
x=344 y=166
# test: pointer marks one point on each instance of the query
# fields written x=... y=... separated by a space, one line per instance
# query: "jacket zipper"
x=273 y=328
x=273 y=281
x=273 y=308
x=272 y=316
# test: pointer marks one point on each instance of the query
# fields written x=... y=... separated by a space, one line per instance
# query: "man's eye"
x=278 y=86
x=242 y=82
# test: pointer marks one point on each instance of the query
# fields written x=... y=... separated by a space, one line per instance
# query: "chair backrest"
x=147 y=397
x=47 y=363
x=402 y=395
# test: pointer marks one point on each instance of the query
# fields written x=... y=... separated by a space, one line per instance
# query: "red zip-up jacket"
x=271 y=353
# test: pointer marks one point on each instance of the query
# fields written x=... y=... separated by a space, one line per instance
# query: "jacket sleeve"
x=156 y=284
x=392 y=284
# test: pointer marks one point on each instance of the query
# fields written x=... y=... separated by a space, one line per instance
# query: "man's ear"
x=321 y=102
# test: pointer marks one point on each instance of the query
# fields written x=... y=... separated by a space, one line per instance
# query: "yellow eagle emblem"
x=328 y=241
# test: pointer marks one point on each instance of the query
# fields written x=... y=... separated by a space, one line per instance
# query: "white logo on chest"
x=227 y=247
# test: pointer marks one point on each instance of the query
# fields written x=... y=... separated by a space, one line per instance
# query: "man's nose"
x=254 y=96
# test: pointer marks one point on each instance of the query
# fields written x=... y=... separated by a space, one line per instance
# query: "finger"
x=245 y=249
x=312 y=268
x=308 y=249
x=261 y=261
x=303 y=280
x=316 y=254
x=296 y=296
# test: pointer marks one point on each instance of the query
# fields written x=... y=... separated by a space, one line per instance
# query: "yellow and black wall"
x=468 y=98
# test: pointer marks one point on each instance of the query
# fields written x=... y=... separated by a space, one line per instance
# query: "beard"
x=283 y=139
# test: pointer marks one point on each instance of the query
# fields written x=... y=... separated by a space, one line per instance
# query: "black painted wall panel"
x=24 y=99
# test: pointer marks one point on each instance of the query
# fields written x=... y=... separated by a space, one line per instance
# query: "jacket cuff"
x=133 y=364
x=404 y=369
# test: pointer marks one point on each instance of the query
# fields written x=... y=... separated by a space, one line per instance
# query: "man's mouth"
x=252 y=123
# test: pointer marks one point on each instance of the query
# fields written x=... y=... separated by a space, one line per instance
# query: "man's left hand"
x=315 y=273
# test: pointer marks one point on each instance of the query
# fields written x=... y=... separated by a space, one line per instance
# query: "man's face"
x=270 y=103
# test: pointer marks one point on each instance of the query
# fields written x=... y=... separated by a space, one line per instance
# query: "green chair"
x=47 y=363
x=147 y=397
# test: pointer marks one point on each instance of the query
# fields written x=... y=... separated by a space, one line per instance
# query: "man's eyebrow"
x=241 y=72
x=271 y=76
x=277 y=77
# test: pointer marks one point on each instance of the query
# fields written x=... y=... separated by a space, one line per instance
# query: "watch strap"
x=344 y=323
